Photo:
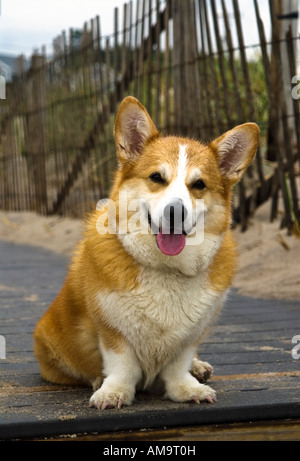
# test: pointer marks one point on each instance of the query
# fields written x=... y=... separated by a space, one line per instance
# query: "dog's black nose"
x=175 y=213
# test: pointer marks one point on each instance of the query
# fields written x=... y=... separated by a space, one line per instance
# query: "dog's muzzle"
x=174 y=216
x=170 y=234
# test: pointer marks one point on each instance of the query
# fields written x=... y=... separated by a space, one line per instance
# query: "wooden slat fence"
x=188 y=62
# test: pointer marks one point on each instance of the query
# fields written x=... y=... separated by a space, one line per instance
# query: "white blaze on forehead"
x=182 y=163
x=182 y=169
x=178 y=189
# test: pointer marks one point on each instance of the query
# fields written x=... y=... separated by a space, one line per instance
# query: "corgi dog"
x=153 y=268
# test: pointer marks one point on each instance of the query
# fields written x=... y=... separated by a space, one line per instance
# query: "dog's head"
x=173 y=194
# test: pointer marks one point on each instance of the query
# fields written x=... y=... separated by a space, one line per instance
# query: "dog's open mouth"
x=169 y=241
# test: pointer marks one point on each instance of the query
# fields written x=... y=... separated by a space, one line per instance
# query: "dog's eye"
x=156 y=177
x=199 y=185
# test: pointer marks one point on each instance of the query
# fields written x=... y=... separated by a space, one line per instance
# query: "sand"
x=269 y=262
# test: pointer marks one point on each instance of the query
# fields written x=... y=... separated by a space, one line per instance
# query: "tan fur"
x=66 y=338
x=128 y=313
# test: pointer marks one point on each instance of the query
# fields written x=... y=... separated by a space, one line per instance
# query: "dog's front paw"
x=111 y=397
x=190 y=390
x=202 y=371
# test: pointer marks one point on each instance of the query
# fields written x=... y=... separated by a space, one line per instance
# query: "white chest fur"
x=167 y=311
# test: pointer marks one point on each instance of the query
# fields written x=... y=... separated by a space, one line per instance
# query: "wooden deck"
x=256 y=377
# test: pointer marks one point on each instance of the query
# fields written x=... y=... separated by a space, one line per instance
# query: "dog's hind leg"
x=202 y=371
x=52 y=366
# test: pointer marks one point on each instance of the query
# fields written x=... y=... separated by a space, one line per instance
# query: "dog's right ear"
x=133 y=128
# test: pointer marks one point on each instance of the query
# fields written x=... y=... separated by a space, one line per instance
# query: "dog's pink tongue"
x=171 y=244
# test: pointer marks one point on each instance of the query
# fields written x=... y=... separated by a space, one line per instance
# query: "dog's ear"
x=133 y=128
x=236 y=149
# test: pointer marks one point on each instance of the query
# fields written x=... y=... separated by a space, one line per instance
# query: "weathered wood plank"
x=263 y=431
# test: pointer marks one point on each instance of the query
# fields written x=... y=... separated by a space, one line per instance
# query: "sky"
x=26 y=25
x=29 y=24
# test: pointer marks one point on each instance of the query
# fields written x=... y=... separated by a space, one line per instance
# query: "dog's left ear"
x=133 y=128
x=236 y=149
